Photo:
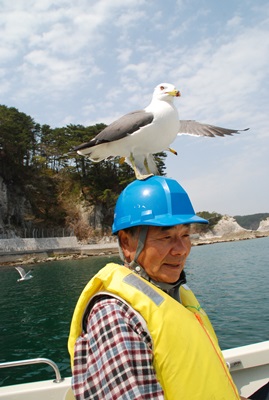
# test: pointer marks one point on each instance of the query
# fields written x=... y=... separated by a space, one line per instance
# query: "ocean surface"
x=230 y=279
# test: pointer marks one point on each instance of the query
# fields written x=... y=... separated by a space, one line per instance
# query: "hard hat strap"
x=140 y=245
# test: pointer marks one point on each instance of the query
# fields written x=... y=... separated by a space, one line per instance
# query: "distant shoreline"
x=41 y=256
x=230 y=237
x=85 y=251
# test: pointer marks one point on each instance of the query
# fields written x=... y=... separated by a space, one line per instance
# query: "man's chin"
x=171 y=275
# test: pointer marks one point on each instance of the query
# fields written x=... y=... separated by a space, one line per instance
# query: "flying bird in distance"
x=24 y=276
x=136 y=136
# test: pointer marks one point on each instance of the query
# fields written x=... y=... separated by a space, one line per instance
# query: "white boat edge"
x=249 y=366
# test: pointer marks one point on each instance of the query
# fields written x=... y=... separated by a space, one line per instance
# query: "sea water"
x=229 y=279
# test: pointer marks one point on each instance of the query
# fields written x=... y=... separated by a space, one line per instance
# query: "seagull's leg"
x=122 y=160
x=147 y=168
x=172 y=151
x=137 y=173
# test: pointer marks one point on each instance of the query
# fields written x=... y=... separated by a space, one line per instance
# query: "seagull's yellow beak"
x=175 y=93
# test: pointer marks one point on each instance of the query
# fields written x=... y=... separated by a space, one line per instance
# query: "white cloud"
x=234 y=22
x=129 y=18
x=220 y=81
x=124 y=55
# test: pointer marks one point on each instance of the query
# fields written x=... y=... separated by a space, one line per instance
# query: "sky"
x=86 y=62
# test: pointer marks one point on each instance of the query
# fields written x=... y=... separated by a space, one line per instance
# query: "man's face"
x=165 y=252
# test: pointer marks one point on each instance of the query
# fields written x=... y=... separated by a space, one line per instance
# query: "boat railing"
x=31 y=361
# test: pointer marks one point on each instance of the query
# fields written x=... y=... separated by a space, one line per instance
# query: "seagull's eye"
x=162 y=87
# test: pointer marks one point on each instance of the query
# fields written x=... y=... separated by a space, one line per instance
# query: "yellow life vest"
x=187 y=359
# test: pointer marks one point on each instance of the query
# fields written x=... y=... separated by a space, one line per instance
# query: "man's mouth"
x=172 y=265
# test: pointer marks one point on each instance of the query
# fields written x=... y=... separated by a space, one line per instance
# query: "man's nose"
x=179 y=247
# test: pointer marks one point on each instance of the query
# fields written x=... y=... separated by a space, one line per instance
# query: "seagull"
x=136 y=136
x=25 y=276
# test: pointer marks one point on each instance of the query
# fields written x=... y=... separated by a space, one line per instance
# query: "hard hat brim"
x=162 y=221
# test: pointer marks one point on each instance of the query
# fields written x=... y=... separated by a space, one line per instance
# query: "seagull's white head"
x=165 y=91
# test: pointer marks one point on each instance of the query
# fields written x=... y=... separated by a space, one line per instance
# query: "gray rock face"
x=15 y=210
x=264 y=226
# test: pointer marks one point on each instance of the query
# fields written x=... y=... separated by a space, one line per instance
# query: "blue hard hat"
x=156 y=201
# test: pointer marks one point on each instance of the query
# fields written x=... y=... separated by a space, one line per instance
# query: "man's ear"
x=124 y=239
x=128 y=244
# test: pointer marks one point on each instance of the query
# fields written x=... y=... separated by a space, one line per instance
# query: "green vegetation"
x=251 y=221
x=212 y=217
x=56 y=182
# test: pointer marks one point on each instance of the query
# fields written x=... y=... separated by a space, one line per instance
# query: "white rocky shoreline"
x=227 y=230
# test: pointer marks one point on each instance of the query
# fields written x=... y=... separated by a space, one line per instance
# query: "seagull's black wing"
x=189 y=127
x=120 y=128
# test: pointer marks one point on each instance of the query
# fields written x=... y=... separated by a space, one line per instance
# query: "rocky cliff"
x=226 y=225
x=264 y=226
x=227 y=229
x=15 y=210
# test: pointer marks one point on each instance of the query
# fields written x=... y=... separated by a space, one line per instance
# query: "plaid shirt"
x=114 y=358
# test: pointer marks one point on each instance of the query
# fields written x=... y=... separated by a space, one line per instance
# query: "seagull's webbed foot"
x=142 y=177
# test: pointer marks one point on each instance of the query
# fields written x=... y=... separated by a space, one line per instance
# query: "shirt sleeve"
x=114 y=359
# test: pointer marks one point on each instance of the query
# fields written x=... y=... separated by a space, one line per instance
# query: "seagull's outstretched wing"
x=21 y=271
x=190 y=127
x=119 y=129
x=28 y=274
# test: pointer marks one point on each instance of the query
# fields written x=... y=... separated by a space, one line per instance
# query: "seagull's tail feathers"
x=94 y=153
x=85 y=149
x=85 y=146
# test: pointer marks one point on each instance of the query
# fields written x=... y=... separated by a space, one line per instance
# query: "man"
x=138 y=332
